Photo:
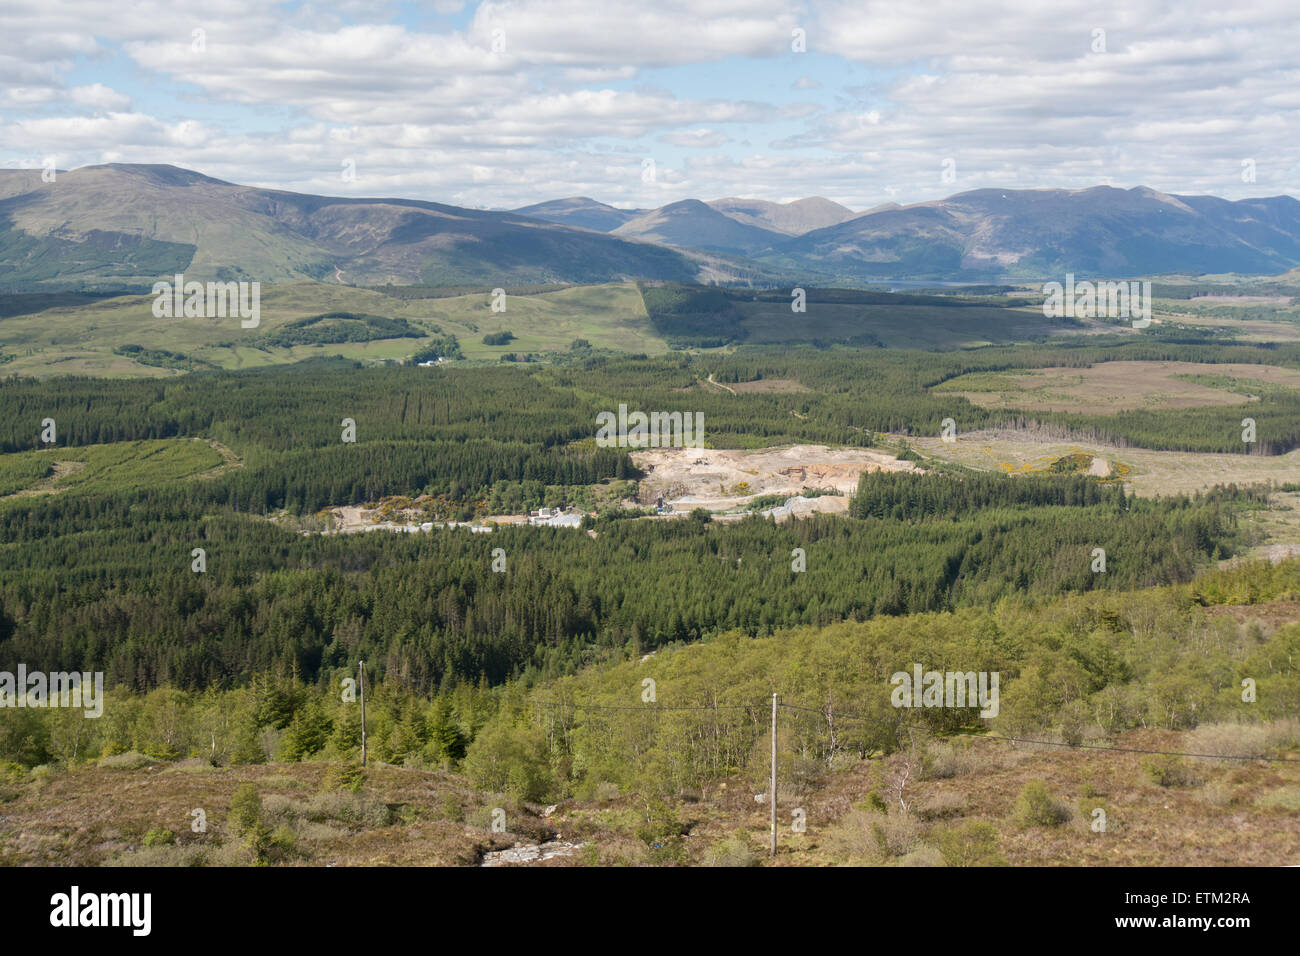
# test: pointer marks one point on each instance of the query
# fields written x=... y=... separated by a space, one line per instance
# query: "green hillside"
x=306 y=319
x=45 y=334
x=96 y=469
x=117 y=224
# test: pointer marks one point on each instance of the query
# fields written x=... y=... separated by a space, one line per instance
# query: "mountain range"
x=1035 y=233
x=101 y=225
x=122 y=224
x=783 y=219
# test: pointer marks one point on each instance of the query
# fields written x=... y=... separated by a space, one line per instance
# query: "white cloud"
x=23 y=96
x=99 y=96
x=1013 y=92
x=110 y=131
x=698 y=138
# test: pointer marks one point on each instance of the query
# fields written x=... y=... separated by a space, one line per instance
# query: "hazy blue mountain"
x=581 y=212
x=1032 y=232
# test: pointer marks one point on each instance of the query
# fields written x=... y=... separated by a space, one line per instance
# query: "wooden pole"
x=362 y=685
x=771 y=790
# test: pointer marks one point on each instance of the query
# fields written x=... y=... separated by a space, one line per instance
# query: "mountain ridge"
x=77 y=226
x=121 y=224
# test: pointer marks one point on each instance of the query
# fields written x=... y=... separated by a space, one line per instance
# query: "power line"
x=850 y=717
x=647 y=706
x=1055 y=743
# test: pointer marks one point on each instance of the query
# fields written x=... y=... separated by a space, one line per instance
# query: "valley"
x=935 y=476
x=628 y=438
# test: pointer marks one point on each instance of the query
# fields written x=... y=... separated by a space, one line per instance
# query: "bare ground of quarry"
x=722 y=479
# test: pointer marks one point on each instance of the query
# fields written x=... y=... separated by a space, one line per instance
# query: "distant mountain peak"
x=692 y=224
x=116 y=225
x=791 y=218
x=1031 y=233
x=582 y=212
x=162 y=173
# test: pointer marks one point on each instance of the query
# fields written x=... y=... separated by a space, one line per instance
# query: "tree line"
x=106 y=582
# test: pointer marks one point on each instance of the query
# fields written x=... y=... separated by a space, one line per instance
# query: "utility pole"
x=771 y=790
x=362 y=686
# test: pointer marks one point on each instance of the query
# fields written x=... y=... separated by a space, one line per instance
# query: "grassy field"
x=133 y=810
x=1243 y=328
x=80 y=339
x=1115 y=386
x=102 y=468
x=1149 y=473
x=1111 y=387
x=1190 y=823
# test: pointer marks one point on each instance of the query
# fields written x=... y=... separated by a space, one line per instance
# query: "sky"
x=638 y=104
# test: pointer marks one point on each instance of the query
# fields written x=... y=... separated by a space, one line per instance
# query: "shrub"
x=246 y=820
x=283 y=844
x=874 y=802
x=1220 y=793
x=803 y=773
x=344 y=776
x=245 y=810
x=849 y=839
x=159 y=836
x=661 y=831
x=131 y=760
x=482 y=817
x=41 y=775
x=1036 y=807
x=248 y=746
x=279 y=807
x=941 y=805
x=974 y=843
x=1237 y=740
x=1166 y=770
x=451 y=808
x=25 y=737
x=1284 y=798
x=196 y=765
x=923 y=855
x=897 y=834
x=356 y=809
x=734 y=851
x=945 y=760
x=170 y=854
x=12 y=777
x=510 y=759
x=606 y=791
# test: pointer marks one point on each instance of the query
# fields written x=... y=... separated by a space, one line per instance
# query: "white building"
x=555 y=518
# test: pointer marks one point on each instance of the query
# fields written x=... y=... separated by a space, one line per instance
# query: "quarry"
x=723 y=479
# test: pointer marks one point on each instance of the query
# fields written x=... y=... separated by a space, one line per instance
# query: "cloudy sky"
x=642 y=103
